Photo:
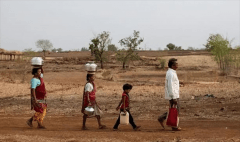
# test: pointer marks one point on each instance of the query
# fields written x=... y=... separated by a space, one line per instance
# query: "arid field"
x=210 y=109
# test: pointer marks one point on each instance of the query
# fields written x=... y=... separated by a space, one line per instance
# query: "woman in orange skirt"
x=38 y=98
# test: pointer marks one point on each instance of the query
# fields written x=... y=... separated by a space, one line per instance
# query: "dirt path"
x=203 y=118
x=60 y=128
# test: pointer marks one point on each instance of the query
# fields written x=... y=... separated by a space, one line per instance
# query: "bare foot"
x=29 y=122
x=177 y=129
x=84 y=128
x=102 y=127
x=41 y=127
x=161 y=122
x=137 y=128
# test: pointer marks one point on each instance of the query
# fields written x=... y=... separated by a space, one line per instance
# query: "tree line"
x=219 y=46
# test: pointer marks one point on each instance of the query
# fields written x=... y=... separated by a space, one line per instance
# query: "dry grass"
x=137 y=75
x=65 y=82
x=65 y=87
x=194 y=61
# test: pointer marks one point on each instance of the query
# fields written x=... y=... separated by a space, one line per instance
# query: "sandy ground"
x=65 y=128
x=202 y=118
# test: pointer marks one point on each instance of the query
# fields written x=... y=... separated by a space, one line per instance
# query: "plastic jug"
x=124 y=118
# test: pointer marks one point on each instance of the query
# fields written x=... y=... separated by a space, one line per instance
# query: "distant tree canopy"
x=57 y=50
x=45 y=45
x=211 y=39
x=84 y=49
x=112 y=47
x=171 y=46
x=178 y=48
x=237 y=47
x=28 y=50
x=190 y=48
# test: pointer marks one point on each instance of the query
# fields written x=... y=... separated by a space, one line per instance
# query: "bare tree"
x=99 y=46
x=45 y=45
x=131 y=44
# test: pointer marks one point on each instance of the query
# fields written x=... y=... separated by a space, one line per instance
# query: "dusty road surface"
x=210 y=109
x=65 y=128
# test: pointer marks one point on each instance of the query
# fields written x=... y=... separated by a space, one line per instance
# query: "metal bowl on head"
x=87 y=66
x=37 y=61
x=89 y=111
x=91 y=66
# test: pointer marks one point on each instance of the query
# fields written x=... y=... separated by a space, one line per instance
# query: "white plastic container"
x=37 y=61
x=91 y=66
x=124 y=118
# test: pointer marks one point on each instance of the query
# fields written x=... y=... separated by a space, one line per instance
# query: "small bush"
x=162 y=63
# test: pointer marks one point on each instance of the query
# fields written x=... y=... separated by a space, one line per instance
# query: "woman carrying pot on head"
x=38 y=98
x=90 y=100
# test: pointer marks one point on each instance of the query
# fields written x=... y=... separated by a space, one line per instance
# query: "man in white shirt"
x=171 y=90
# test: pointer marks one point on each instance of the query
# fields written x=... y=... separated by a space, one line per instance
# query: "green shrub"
x=162 y=63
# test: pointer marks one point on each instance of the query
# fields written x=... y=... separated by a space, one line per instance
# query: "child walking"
x=124 y=107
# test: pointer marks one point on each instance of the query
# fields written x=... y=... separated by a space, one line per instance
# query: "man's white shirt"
x=171 y=85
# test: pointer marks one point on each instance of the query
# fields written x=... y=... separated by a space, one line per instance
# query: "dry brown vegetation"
x=203 y=118
x=3 y=51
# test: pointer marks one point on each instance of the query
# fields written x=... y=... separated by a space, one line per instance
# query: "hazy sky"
x=71 y=24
